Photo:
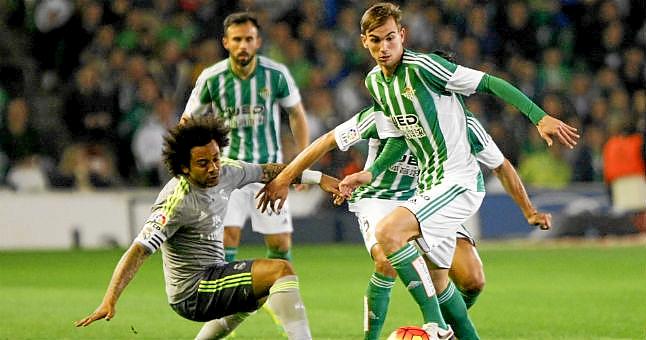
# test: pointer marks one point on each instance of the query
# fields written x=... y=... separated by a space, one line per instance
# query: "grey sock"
x=285 y=300
x=219 y=328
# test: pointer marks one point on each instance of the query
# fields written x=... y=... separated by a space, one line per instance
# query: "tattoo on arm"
x=271 y=170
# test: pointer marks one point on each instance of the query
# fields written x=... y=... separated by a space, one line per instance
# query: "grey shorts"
x=224 y=289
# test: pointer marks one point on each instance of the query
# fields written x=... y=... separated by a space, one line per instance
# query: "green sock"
x=277 y=254
x=376 y=304
x=455 y=312
x=415 y=275
x=230 y=253
x=469 y=297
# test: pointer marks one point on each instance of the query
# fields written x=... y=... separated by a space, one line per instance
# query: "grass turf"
x=533 y=292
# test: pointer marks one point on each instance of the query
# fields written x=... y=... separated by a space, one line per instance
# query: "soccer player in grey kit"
x=186 y=223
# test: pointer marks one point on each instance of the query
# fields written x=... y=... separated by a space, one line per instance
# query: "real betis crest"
x=409 y=93
x=264 y=93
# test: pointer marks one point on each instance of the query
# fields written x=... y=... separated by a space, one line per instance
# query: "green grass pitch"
x=533 y=292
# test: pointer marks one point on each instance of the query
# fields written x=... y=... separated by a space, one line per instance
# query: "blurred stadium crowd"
x=88 y=87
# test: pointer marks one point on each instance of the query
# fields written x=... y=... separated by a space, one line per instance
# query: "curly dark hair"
x=179 y=140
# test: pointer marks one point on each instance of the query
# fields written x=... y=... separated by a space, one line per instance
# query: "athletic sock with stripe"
x=285 y=300
x=376 y=304
x=455 y=312
x=415 y=275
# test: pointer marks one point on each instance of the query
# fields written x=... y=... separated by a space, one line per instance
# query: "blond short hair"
x=378 y=14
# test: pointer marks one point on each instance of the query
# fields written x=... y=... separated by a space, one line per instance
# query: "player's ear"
x=364 y=40
x=402 y=33
x=225 y=42
x=185 y=170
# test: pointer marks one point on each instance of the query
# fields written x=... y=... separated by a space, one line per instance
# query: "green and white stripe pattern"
x=399 y=182
x=403 y=256
x=235 y=280
x=439 y=202
x=421 y=101
x=478 y=137
x=379 y=282
x=250 y=107
x=446 y=294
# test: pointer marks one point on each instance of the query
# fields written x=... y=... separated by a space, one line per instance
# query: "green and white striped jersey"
x=399 y=181
x=249 y=106
x=421 y=102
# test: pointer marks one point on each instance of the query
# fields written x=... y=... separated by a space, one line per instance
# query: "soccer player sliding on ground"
x=186 y=223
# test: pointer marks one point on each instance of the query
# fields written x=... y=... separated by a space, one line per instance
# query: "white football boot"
x=436 y=333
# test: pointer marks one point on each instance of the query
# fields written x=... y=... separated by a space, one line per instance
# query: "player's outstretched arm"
x=272 y=170
x=278 y=188
x=513 y=185
x=125 y=270
x=548 y=126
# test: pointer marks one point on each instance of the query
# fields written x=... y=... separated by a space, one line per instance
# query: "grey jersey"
x=186 y=222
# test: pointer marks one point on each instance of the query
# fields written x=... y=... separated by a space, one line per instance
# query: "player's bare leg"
x=467 y=271
x=279 y=246
x=231 y=242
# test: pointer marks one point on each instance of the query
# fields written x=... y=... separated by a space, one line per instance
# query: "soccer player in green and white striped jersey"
x=248 y=91
x=419 y=97
x=398 y=183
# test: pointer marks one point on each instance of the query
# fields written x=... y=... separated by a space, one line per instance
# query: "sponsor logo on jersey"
x=244 y=116
x=409 y=93
x=240 y=266
x=408 y=124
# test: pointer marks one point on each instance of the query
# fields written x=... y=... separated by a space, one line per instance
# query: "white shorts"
x=370 y=211
x=440 y=211
x=242 y=205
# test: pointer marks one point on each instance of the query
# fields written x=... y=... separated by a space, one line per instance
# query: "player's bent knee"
x=279 y=242
x=385 y=268
x=284 y=267
x=388 y=236
x=473 y=284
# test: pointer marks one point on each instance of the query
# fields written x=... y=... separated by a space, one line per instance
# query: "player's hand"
x=273 y=195
x=351 y=182
x=330 y=185
x=541 y=220
x=104 y=311
x=550 y=127
x=338 y=199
